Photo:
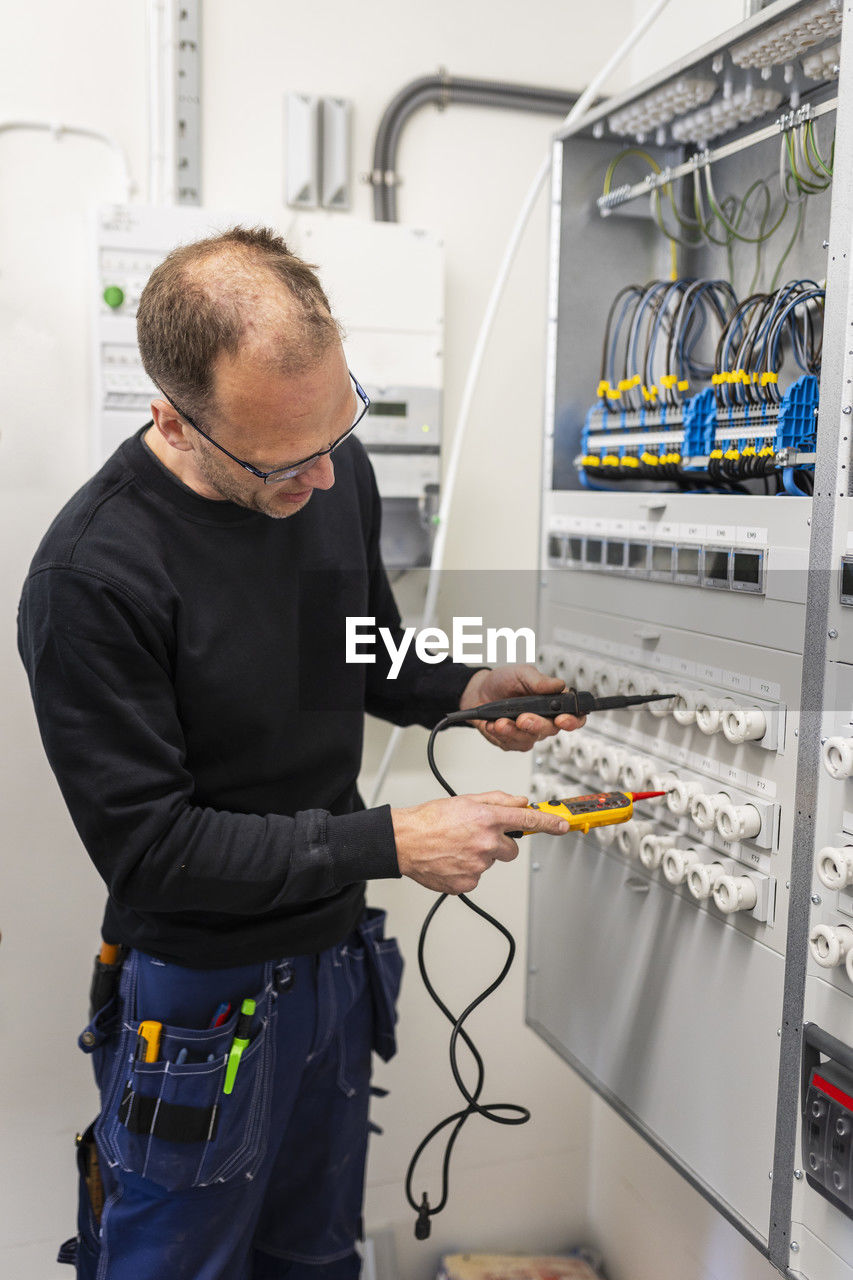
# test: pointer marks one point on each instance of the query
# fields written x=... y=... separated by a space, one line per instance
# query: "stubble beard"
x=228 y=487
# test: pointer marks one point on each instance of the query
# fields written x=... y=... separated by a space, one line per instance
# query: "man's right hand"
x=446 y=845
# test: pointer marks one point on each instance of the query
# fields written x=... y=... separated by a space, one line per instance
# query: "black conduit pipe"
x=444 y=90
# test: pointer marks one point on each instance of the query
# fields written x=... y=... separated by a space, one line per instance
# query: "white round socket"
x=663 y=782
x=652 y=849
x=605 y=682
x=710 y=711
x=830 y=946
x=633 y=772
x=608 y=762
x=838 y=757
x=561 y=747
x=649 y=782
x=835 y=866
x=704 y=808
x=564 y=668
x=605 y=835
x=738 y=822
x=584 y=668
x=684 y=707
x=548 y=660
x=633 y=683
x=744 y=724
x=657 y=782
x=680 y=796
x=702 y=877
x=677 y=863
x=660 y=710
x=735 y=893
x=583 y=752
x=629 y=835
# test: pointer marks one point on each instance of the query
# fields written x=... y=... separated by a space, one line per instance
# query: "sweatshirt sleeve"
x=422 y=692
x=100 y=675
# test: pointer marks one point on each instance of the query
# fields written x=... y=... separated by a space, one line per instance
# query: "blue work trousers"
x=262 y=1183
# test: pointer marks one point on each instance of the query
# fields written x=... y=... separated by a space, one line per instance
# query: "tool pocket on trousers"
x=385 y=972
x=173 y=1123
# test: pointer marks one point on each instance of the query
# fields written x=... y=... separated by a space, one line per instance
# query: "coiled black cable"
x=497 y=1112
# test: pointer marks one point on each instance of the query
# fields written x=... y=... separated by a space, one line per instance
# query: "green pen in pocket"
x=239 y=1044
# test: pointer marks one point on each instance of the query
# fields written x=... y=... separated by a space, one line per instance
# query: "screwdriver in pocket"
x=239 y=1044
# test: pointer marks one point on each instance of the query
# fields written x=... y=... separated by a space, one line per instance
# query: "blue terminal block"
x=797 y=423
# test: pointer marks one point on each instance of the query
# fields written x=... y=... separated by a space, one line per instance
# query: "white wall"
x=465 y=172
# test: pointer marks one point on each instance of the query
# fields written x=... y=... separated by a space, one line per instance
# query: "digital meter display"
x=616 y=554
x=388 y=409
x=638 y=555
x=716 y=566
x=746 y=568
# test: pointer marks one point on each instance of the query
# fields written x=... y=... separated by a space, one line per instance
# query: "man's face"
x=272 y=420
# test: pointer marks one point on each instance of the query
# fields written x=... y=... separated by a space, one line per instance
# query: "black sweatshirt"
x=187 y=664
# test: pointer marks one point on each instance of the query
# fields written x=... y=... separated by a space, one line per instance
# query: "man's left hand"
x=515 y=682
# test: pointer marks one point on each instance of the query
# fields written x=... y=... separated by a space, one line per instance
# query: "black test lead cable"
x=570 y=702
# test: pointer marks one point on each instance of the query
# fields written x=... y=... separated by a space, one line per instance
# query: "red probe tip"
x=645 y=795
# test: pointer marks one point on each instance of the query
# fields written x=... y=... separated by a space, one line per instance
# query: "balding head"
x=239 y=293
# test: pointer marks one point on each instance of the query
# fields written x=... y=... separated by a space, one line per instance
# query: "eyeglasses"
x=295 y=469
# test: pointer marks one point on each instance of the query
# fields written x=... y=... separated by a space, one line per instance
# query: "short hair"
x=242 y=289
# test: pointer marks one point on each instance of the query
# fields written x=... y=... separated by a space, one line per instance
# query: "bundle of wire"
x=670 y=338
x=749 y=219
x=650 y=354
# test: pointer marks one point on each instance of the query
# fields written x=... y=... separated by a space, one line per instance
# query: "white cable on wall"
x=59 y=131
x=437 y=559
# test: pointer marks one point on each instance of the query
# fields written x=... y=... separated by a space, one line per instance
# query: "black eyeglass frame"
x=281 y=473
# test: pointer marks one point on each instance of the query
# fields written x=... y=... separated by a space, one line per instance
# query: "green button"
x=113 y=296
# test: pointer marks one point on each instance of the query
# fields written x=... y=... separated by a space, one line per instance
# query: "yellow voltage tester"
x=601 y=809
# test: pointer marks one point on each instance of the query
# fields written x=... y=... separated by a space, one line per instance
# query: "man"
x=183 y=629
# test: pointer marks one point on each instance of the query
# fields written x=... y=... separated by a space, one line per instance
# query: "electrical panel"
x=386 y=286
x=695 y=965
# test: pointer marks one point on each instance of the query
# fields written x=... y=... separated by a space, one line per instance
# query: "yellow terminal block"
x=650 y=459
x=604 y=388
x=683 y=385
x=769 y=377
x=630 y=461
x=732 y=455
x=610 y=460
x=668 y=380
x=716 y=453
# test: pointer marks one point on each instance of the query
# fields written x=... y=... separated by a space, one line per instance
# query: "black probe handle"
x=568 y=703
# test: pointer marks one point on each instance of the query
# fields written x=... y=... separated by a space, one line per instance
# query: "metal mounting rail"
x=652 y=181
